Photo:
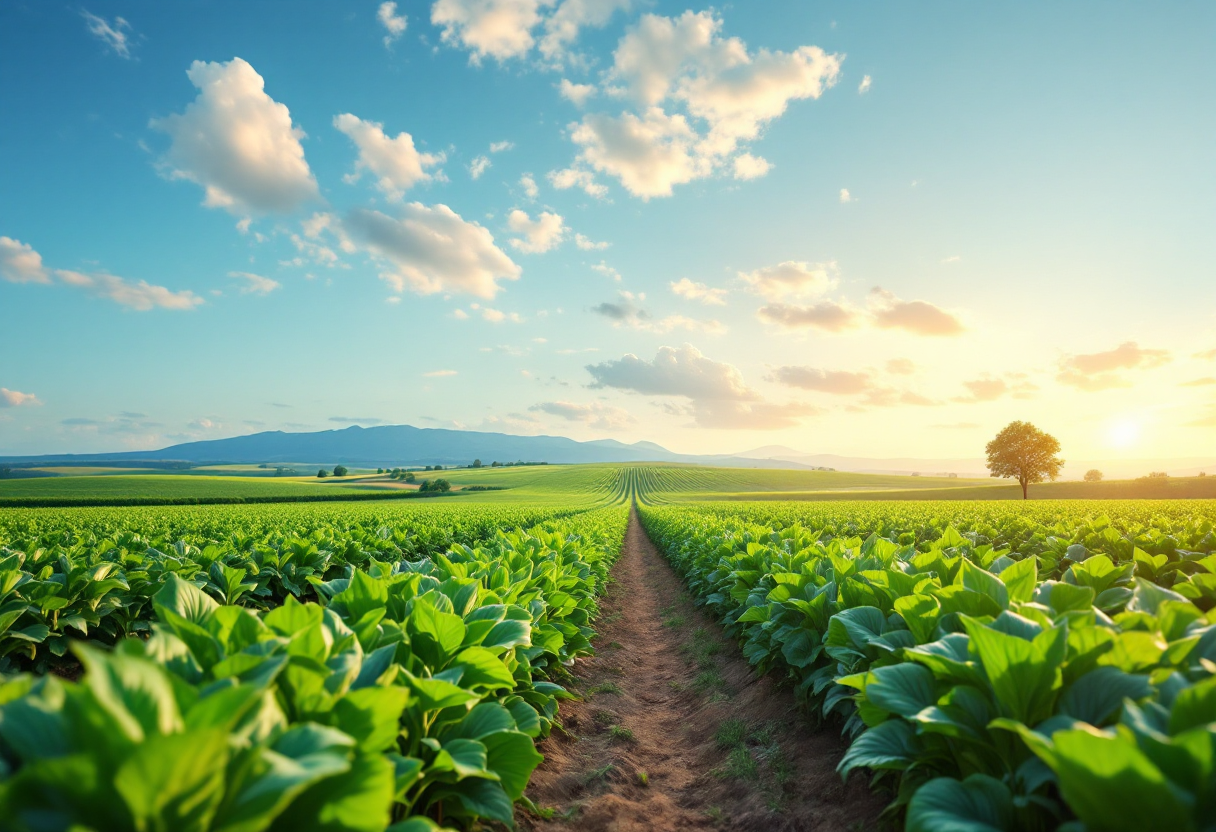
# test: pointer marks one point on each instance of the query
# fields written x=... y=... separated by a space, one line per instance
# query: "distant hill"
x=403 y=445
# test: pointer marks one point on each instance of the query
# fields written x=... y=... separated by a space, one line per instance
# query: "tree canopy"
x=1025 y=453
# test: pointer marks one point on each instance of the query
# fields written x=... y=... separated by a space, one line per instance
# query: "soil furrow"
x=675 y=731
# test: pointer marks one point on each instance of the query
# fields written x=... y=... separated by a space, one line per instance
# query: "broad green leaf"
x=175 y=783
x=978 y=804
x=1111 y=785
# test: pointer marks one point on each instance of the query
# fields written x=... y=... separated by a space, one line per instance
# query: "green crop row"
x=407 y=696
x=93 y=573
x=1029 y=673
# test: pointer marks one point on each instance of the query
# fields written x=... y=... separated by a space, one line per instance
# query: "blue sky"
x=871 y=230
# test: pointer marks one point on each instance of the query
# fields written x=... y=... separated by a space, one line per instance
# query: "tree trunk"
x=1024 y=484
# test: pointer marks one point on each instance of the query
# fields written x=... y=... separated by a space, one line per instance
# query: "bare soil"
x=675 y=731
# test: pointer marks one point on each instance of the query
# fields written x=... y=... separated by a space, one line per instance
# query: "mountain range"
x=404 y=445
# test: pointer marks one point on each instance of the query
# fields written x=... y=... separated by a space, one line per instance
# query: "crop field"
x=153 y=487
x=997 y=667
x=400 y=664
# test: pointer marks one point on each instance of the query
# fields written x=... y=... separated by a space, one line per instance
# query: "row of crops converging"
x=378 y=672
x=994 y=671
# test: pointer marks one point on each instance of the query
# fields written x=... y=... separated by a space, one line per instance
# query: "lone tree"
x=1093 y=475
x=340 y=471
x=1025 y=453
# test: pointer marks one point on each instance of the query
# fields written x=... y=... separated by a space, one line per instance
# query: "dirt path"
x=675 y=731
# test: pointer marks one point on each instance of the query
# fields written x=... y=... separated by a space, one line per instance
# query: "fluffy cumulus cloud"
x=864 y=86
x=393 y=23
x=536 y=236
x=432 y=249
x=649 y=154
x=595 y=415
x=916 y=316
x=529 y=186
x=394 y=161
x=1096 y=371
x=19 y=263
x=567 y=178
x=692 y=290
x=696 y=98
x=826 y=316
x=793 y=278
x=238 y=143
x=576 y=93
x=15 y=398
x=506 y=29
x=255 y=284
x=675 y=371
x=115 y=36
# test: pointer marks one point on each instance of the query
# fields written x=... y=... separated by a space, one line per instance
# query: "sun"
x=1123 y=433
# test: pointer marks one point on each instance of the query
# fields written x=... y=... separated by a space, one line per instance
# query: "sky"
x=871 y=229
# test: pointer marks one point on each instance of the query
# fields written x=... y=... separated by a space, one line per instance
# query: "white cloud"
x=649 y=155
x=460 y=315
x=606 y=270
x=255 y=283
x=587 y=244
x=562 y=27
x=395 y=162
x=504 y=29
x=499 y=147
x=826 y=315
x=15 y=398
x=538 y=236
x=479 y=166
x=595 y=414
x=113 y=35
x=864 y=86
x=748 y=166
x=716 y=393
x=497 y=316
x=500 y=29
x=432 y=249
x=792 y=278
x=529 y=185
x=576 y=93
x=577 y=178
x=845 y=196
x=954 y=258
x=19 y=263
x=686 y=288
x=238 y=143
x=393 y=23
x=439 y=374
x=675 y=371
x=141 y=296
x=917 y=316
x=625 y=311
x=1096 y=371
x=727 y=95
x=837 y=382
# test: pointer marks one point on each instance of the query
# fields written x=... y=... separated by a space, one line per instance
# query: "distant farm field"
x=152 y=486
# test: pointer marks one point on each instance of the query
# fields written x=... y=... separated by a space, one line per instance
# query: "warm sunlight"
x=1124 y=433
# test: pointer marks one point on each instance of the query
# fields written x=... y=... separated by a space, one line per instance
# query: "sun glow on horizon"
x=1124 y=433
